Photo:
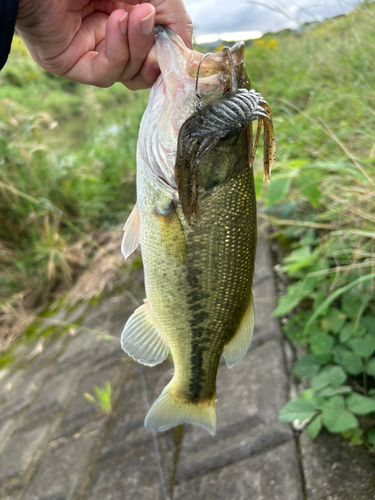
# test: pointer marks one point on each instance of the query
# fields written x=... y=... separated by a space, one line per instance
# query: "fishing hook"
x=233 y=78
x=199 y=105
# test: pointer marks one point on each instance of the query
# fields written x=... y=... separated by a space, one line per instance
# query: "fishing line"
x=153 y=433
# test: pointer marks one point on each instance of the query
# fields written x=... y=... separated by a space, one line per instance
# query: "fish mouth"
x=174 y=98
x=214 y=73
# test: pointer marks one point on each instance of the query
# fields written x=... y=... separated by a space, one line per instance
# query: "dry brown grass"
x=102 y=270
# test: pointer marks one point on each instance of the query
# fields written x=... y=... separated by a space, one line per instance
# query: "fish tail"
x=168 y=411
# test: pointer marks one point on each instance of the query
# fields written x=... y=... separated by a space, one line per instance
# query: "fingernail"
x=123 y=22
x=148 y=24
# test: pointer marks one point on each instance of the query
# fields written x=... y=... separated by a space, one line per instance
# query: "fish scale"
x=219 y=254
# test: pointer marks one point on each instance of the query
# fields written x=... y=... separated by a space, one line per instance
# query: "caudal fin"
x=168 y=411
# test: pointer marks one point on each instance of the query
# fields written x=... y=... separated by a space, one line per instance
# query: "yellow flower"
x=266 y=43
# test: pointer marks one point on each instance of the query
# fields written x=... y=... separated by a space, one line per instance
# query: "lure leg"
x=233 y=78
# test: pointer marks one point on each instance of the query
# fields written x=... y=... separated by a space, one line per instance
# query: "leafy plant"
x=336 y=325
x=329 y=403
x=322 y=200
x=102 y=398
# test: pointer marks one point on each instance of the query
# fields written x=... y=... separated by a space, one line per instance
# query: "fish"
x=195 y=220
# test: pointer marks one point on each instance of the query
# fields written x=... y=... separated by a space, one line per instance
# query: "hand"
x=100 y=42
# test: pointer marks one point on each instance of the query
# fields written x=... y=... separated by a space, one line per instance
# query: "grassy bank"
x=321 y=203
x=67 y=173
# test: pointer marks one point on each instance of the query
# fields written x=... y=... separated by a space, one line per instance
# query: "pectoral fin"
x=238 y=346
x=141 y=339
x=131 y=237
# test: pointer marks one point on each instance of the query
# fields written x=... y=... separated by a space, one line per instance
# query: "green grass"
x=321 y=202
x=102 y=398
x=67 y=171
x=49 y=194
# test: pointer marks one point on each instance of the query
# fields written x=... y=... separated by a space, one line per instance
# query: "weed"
x=102 y=398
x=67 y=172
x=322 y=88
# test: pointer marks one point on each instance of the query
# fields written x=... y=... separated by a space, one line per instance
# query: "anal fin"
x=238 y=346
x=141 y=339
x=131 y=237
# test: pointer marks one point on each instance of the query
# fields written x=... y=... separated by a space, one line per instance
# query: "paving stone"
x=132 y=467
x=258 y=385
x=19 y=352
x=9 y=382
x=131 y=282
x=4 y=372
x=32 y=352
x=42 y=350
x=120 y=317
x=81 y=412
x=107 y=350
x=271 y=475
x=265 y=295
x=131 y=409
x=74 y=316
x=78 y=350
x=52 y=397
x=138 y=478
x=336 y=470
x=138 y=442
x=63 y=317
x=121 y=308
x=250 y=396
x=129 y=442
x=25 y=391
x=51 y=350
x=111 y=315
x=263 y=262
x=63 y=468
x=88 y=344
x=265 y=303
x=230 y=445
x=98 y=318
x=19 y=456
x=7 y=427
x=119 y=453
x=266 y=327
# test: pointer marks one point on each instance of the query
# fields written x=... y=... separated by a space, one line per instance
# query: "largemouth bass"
x=195 y=219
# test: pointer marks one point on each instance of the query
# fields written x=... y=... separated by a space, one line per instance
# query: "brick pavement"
x=55 y=445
